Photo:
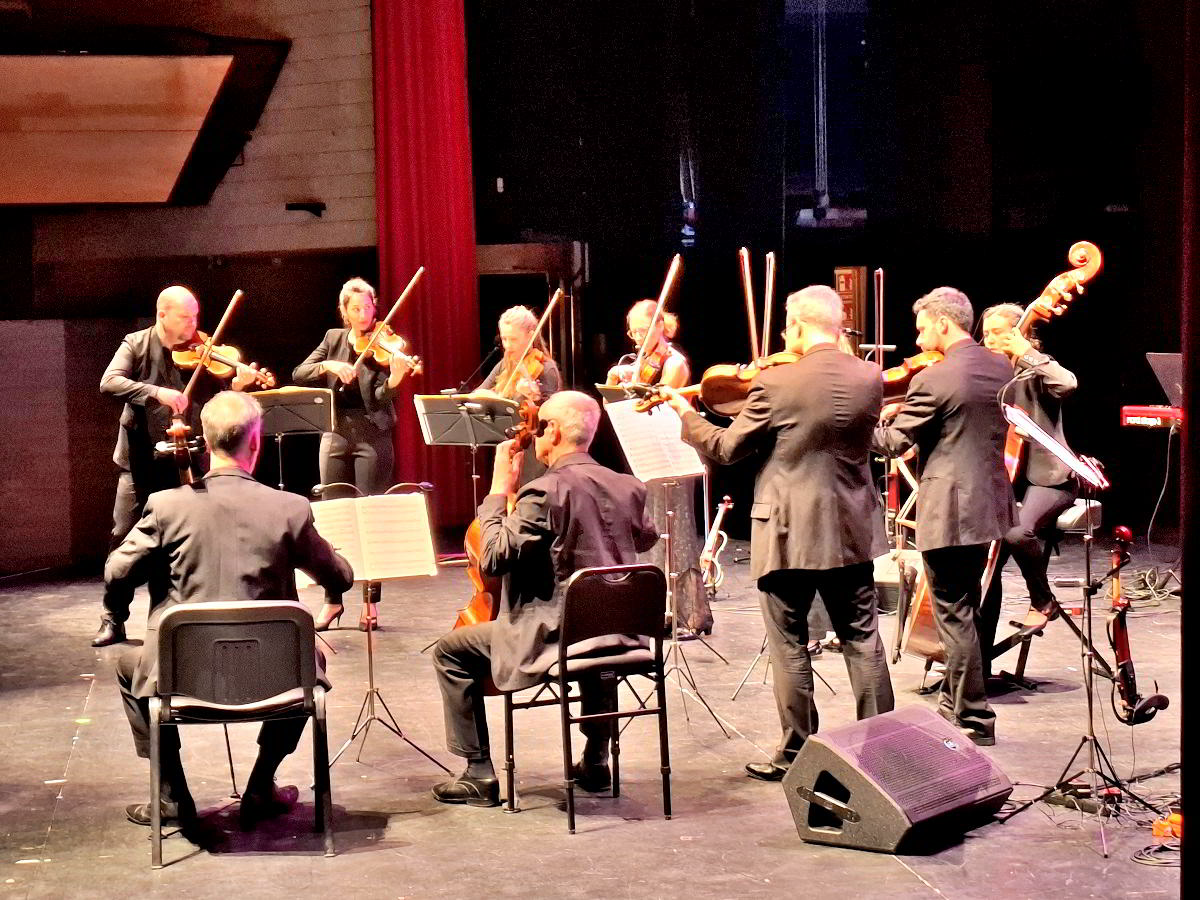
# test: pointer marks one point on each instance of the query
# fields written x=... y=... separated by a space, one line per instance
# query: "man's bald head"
x=577 y=415
x=175 y=295
x=178 y=313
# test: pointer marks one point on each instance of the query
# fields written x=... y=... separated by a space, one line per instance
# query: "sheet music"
x=651 y=441
x=395 y=535
x=1018 y=418
x=337 y=522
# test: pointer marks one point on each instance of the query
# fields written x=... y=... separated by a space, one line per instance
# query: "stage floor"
x=68 y=770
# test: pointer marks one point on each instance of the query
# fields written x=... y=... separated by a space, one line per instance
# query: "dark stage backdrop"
x=425 y=216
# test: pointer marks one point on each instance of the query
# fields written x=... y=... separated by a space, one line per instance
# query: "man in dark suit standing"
x=816 y=522
x=1040 y=385
x=144 y=377
x=577 y=514
x=227 y=537
x=951 y=414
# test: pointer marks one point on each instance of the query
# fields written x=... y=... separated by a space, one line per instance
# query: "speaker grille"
x=924 y=763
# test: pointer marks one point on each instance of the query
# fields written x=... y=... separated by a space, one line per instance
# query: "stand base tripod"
x=762 y=651
x=368 y=713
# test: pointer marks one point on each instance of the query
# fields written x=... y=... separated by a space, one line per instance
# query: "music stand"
x=416 y=563
x=1168 y=369
x=1099 y=768
x=466 y=420
x=295 y=410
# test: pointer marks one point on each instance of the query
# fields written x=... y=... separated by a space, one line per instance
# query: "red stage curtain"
x=426 y=217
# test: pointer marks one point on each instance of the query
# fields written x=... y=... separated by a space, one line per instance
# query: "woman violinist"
x=359 y=450
x=532 y=376
x=536 y=376
x=664 y=364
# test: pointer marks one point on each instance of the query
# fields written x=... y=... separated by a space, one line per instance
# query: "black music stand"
x=1099 y=769
x=1168 y=369
x=466 y=420
x=295 y=410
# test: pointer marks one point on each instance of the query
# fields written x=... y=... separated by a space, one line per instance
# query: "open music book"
x=651 y=441
x=383 y=537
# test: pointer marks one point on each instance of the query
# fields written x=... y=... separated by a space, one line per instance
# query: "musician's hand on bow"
x=506 y=469
x=245 y=376
x=174 y=400
x=343 y=371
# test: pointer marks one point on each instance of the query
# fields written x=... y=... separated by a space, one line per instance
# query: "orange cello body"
x=484 y=604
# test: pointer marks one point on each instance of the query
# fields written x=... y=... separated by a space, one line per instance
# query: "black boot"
x=110 y=632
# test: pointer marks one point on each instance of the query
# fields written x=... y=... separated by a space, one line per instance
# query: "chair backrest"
x=236 y=653
x=613 y=600
x=335 y=490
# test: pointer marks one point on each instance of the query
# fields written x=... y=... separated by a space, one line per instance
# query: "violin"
x=722 y=388
x=484 y=604
x=532 y=361
x=897 y=378
x=1130 y=706
x=220 y=360
x=381 y=344
x=531 y=367
x=711 y=570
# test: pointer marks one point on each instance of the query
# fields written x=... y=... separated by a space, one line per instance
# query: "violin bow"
x=206 y=350
x=748 y=290
x=769 y=302
x=672 y=274
x=512 y=378
x=412 y=283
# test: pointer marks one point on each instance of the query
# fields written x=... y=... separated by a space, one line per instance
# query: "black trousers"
x=275 y=739
x=361 y=454
x=463 y=663
x=849 y=596
x=954 y=579
x=1026 y=542
x=130 y=502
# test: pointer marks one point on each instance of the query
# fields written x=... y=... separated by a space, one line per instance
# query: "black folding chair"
x=602 y=601
x=238 y=662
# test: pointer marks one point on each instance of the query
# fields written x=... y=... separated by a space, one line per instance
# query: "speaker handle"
x=839 y=809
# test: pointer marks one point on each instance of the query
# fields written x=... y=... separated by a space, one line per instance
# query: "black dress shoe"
x=139 y=813
x=256 y=807
x=765 y=771
x=592 y=778
x=110 y=632
x=468 y=790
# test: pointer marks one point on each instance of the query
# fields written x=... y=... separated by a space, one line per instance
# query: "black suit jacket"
x=815 y=506
x=1042 y=386
x=952 y=415
x=372 y=379
x=577 y=514
x=140 y=366
x=227 y=537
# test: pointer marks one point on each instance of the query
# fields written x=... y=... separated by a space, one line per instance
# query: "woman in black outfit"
x=359 y=450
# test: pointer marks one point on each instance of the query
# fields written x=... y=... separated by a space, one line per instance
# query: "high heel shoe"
x=369 y=620
x=330 y=613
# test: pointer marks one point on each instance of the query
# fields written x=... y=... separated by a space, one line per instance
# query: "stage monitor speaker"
x=895 y=781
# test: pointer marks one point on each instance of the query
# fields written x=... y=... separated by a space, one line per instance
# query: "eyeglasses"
x=542 y=425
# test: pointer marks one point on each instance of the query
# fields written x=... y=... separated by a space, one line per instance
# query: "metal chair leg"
x=155 y=784
x=564 y=712
x=323 y=801
x=664 y=750
x=509 y=759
